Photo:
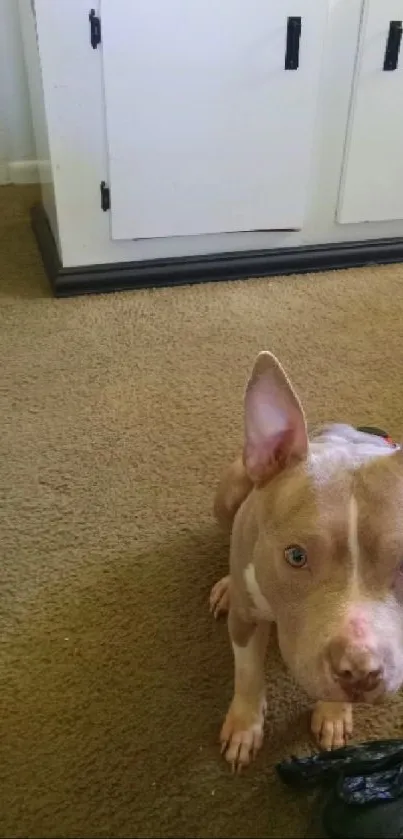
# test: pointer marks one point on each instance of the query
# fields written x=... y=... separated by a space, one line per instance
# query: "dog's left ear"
x=275 y=427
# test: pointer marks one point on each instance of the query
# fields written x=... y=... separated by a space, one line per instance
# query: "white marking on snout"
x=259 y=601
x=353 y=543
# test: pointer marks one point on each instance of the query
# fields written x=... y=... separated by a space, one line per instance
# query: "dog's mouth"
x=335 y=692
x=357 y=694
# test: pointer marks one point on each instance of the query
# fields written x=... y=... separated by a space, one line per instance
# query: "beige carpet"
x=117 y=413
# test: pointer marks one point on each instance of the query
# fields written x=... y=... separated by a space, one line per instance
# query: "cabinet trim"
x=236 y=265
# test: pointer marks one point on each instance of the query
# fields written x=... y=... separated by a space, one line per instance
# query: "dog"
x=316 y=547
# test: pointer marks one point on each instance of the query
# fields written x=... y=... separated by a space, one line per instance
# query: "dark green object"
x=372 y=429
x=363 y=788
x=350 y=821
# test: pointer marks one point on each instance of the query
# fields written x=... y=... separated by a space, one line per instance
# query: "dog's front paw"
x=219 y=597
x=332 y=724
x=242 y=733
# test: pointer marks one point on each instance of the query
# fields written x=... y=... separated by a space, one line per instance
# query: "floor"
x=117 y=414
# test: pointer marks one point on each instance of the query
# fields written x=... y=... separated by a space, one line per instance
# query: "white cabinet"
x=209 y=119
x=234 y=138
x=372 y=184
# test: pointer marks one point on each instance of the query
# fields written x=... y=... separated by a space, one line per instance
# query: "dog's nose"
x=357 y=669
x=359 y=682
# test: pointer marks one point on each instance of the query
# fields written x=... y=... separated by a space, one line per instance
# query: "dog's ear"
x=275 y=427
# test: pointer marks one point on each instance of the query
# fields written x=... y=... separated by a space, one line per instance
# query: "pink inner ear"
x=270 y=455
x=275 y=429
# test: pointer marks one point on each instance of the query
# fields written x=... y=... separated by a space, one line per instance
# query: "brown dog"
x=317 y=548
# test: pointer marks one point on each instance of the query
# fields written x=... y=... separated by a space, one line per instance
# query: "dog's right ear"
x=275 y=427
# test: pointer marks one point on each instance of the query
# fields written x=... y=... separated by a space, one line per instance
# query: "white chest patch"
x=353 y=543
x=262 y=606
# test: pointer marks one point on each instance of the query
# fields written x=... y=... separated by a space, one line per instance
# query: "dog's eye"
x=296 y=556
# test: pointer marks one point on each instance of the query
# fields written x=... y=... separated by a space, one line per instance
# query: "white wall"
x=17 y=145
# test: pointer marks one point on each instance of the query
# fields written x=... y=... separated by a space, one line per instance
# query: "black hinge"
x=105 y=197
x=95 y=26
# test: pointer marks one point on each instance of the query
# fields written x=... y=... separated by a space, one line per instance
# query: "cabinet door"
x=372 y=183
x=207 y=130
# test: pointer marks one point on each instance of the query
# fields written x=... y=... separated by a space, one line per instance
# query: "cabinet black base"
x=121 y=276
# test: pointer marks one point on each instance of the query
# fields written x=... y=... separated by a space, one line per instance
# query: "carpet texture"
x=117 y=414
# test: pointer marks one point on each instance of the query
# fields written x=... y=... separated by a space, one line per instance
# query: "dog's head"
x=329 y=553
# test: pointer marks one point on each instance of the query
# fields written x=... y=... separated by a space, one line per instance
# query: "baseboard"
x=23 y=172
x=121 y=276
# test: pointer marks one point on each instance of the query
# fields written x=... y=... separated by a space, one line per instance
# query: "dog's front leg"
x=242 y=731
